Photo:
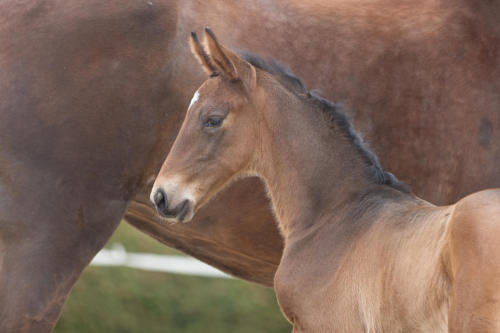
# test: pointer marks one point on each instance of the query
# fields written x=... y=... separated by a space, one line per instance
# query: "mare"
x=92 y=94
x=362 y=253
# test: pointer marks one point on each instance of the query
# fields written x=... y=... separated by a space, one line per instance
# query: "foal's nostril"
x=160 y=200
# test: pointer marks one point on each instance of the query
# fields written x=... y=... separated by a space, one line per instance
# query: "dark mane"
x=294 y=84
x=284 y=76
x=380 y=176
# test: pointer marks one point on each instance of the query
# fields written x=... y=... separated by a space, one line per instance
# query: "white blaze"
x=194 y=99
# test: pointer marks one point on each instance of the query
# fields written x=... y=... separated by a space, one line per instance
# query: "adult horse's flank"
x=362 y=254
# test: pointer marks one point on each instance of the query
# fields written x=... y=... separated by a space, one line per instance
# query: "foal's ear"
x=228 y=63
x=200 y=54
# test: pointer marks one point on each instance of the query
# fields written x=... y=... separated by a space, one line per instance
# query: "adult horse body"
x=362 y=253
x=92 y=94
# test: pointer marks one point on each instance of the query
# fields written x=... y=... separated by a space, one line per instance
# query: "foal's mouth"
x=183 y=210
x=181 y=213
x=178 y=214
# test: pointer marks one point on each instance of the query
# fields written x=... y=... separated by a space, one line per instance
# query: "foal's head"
x=219 y=135
x=232 y=122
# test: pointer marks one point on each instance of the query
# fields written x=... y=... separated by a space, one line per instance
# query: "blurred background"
x=122 y=299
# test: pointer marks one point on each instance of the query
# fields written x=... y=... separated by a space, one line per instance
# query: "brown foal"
x=362 y=253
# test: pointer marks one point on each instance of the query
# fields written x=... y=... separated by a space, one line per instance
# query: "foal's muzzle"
x=183 y=211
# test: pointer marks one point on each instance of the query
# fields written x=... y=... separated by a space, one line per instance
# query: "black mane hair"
x=295 y=85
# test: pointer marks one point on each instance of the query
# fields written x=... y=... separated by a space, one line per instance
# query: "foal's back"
x=411 y=267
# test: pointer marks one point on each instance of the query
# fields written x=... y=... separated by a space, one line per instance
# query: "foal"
x=362 y=254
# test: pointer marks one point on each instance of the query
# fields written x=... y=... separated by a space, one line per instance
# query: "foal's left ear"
x=229 y=63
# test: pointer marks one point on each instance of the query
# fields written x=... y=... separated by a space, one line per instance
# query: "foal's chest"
x=362 y=290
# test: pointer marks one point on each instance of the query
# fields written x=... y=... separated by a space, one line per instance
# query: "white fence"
x=118 y=256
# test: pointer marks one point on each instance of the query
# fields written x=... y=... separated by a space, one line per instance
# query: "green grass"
x=111 y=299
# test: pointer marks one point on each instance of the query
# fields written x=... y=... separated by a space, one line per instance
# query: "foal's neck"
x=310 y=167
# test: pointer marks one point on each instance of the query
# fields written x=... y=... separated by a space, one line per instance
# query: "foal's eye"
x=214 y=122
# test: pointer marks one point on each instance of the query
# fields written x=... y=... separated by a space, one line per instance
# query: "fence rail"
x=118 y=256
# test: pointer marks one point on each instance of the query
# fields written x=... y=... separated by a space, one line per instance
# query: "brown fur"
x=360 y=255
x=92 y=95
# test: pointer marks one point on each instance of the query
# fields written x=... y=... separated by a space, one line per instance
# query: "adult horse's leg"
x=49 y=231
x=82 y=90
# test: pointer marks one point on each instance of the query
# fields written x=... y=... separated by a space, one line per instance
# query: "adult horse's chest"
x=365 y=287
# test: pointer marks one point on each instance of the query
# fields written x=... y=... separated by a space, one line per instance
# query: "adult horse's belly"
x=235 y=233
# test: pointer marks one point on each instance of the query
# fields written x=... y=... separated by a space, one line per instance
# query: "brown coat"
x=92 y=95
